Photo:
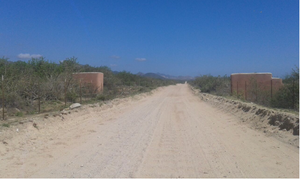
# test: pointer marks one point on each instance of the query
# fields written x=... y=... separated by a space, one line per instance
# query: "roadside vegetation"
x=39 y=85
x=219 y=85
x=287 y=97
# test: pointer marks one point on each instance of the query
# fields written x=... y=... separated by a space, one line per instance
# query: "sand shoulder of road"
x=280 y=125
x=34 y=132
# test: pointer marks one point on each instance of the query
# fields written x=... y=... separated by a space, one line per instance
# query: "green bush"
x=5 y=125
x=101 y=97
x=210 y=84
x=19 y=114
x=288 y=96
x=26 y=81
x=71 y=96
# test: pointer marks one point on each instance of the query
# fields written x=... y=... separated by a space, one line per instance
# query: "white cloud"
x=140 y=59
x=28 y=56
x=24 y=55
x=115 y=57
x=36 y=56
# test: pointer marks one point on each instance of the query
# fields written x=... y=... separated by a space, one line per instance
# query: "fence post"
x=237 y=88
x=245 y=90
x=39 y=104
x=39 y=99
x=271 y=89
x=80 y=91
x=231 y=85
x=256 y=91
x=293 y=94
x=91 y=90
x=65 y=92
x=3 y=97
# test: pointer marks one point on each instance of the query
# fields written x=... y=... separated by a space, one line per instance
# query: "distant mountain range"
x=164 y=76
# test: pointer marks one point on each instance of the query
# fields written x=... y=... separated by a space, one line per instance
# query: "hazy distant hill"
x=153 y=75
x=176 y=77
x=164 y=76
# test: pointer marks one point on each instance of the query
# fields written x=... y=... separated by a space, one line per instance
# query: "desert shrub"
x=19 y=114
x=210 y=84
x=12 y=99
x=5 y=125
x=282 y=99
x=38 y=78
x=101 y=97
x=238 y=95
x=257 y=93
x=288 y=95
x=71 y=96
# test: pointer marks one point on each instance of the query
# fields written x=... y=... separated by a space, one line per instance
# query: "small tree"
x=288 y=95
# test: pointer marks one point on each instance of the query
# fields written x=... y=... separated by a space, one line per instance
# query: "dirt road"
x=170 y=133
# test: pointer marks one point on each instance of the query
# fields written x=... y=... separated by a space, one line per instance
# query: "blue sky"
x=176 y=37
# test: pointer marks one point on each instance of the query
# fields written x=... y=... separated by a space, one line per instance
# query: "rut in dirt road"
x=171 y=133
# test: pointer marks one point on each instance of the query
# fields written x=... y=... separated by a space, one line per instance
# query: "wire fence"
x=285 y=96
x=69 y=91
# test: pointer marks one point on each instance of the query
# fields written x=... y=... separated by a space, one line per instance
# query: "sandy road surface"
x=170 y=133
